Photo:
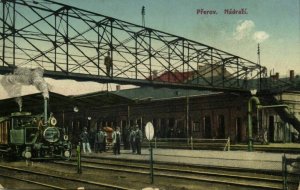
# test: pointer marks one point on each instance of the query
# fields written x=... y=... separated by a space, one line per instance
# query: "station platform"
x=264 y=161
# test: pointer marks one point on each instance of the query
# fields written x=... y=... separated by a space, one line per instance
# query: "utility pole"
x=258 y=54
x=258 y=62
x=143 y=16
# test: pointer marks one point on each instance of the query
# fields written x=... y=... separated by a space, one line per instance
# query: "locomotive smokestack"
x=45 y=111
x=19 y=101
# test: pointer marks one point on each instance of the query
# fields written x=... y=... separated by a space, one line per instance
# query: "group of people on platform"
x=100 y=141
x=135 y=137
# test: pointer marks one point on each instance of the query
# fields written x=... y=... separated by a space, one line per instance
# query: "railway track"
x=213 y=175
x=35 y=183
x=42 y=179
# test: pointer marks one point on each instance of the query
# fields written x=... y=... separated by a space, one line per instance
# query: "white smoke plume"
x=19 y=102
x=12 y=83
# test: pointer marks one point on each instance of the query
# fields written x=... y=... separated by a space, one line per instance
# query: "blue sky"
x=275 y=23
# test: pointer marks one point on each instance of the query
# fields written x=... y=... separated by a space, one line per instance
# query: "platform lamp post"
x=250 y=105
x=78 y=148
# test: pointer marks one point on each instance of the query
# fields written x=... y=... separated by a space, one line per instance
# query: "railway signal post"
x=149 y=130
x=79 y=171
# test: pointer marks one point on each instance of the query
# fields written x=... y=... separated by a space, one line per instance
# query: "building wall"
x=212 y=116
x=208 y=116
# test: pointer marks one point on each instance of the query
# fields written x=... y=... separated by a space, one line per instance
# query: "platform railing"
x=191 y=142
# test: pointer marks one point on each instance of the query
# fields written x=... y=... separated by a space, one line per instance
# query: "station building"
x=181 y=113
x=188 y=113
x=175 y=113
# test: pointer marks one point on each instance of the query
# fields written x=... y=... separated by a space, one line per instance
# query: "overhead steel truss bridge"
x=71 y=43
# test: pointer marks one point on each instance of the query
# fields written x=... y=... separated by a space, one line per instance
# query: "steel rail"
x=160 y=172
x=67 y=178
x=33 y=182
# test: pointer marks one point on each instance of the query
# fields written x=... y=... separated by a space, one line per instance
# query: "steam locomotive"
x=33 y=137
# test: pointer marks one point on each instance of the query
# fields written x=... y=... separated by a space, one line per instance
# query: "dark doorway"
x=207 y=127
x=180 y=130
x=238 y=129
x=124 y=125
x=171 y=132
x=221 y=128
x=271 y=128
x=156 y=126
x=163 y=128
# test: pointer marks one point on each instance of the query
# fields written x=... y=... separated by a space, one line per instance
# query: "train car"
x=25 y=135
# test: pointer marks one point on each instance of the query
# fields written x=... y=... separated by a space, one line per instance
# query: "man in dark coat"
x=132 y=140
x=99 y=140
x=116 y=140
x=138 y=139
x=109 y=64
x=84 y=137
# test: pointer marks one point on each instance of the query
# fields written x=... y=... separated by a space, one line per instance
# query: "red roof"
x=174 y=77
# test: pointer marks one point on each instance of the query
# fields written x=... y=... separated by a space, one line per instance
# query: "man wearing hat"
x=132 y=139
x=84 y=136
x=116 y=140
x=99 y=140
x=138 y=139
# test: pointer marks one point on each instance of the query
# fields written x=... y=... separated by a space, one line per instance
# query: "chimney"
x=277 y=76
x=292 y=74
x=118 y=87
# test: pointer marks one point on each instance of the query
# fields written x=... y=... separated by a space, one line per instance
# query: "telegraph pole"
x=143 y=16
x=258 y=54
x=258 y=62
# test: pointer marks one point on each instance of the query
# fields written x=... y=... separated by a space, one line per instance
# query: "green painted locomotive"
x=29 y=136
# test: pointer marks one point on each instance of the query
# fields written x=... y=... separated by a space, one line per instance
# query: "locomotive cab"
x=21 y=131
